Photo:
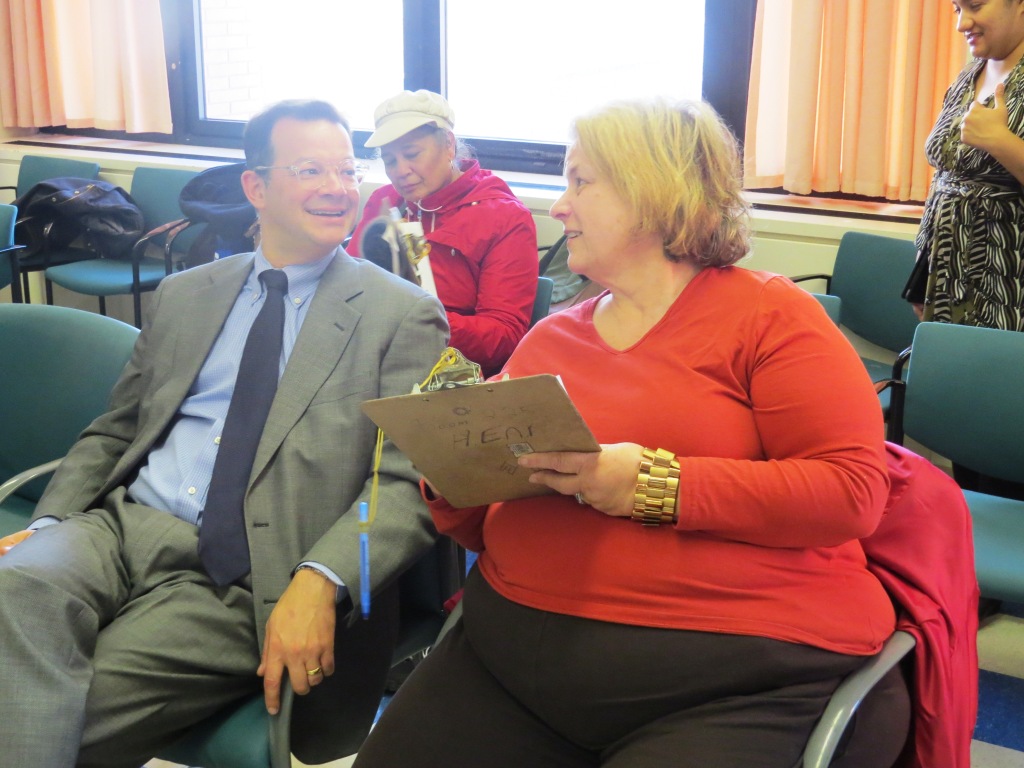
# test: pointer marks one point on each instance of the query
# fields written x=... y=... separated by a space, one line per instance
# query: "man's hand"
x=985 y=127
x=299 y=637
x=605 y=480
x=10 y=541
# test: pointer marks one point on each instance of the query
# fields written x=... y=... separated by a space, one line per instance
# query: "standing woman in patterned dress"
x=972 y=232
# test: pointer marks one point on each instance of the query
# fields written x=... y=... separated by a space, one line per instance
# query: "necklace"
x=420 y=210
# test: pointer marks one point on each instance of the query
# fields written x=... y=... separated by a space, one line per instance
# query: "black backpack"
x=215 y=197
x=68 y=208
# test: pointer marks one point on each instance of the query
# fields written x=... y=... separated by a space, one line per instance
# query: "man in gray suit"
x=113 y=636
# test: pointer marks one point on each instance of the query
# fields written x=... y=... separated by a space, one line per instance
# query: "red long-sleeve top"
x=778 y=433
x=483 y=255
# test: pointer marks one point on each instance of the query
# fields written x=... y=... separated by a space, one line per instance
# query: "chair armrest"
x=172 y=234
x=179 y=226
x=138 y=250
x=14 y=483
x=894 y=424
x=848 y=696
x=821 y=276
x=450 y=622
x=38 y=236
x=280 y=728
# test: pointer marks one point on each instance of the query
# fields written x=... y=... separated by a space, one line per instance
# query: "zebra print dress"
x=972 y=229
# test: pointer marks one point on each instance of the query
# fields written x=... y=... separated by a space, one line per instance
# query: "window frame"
x=728 y=42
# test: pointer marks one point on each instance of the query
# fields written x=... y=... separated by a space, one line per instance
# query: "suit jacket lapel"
x=325 y=334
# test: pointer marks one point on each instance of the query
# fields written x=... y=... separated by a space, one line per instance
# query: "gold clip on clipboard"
x=467 y=439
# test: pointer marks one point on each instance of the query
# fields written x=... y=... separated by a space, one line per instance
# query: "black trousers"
x=511 y=686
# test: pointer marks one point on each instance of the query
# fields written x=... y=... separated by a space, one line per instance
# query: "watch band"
x=657 y=485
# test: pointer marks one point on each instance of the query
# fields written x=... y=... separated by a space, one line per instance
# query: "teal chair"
x=962 y=399
x=59 y=367
x=32 y=170
x=868 y=277
x=8 y=213
x=832 y=305
x=155 y=191
x=542 y=302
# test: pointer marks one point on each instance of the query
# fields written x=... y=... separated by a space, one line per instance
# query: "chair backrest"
x=963 y=397
x=8 y=214
x=156 y=192
x=57 y=367
x=832 y=305
x=36 y=168
x=542 y=303
x=555 y=265
x=869 y=275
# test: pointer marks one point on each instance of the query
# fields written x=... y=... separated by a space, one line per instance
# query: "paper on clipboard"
x=467 y=439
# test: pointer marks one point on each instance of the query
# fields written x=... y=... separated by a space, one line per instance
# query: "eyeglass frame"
x=361 y=169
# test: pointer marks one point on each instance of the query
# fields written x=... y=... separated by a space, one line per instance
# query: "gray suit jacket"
x=367 y=334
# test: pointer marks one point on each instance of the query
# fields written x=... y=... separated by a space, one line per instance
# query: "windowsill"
x=538 y=191
x=827 y=206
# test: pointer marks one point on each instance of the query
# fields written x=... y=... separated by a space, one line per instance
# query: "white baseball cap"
x=406 y=112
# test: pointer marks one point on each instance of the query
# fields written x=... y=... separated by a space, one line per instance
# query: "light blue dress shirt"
x=177 y=472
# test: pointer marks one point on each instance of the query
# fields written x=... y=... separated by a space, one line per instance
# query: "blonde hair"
x=677 y=165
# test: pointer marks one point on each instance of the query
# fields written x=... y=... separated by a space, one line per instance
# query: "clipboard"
x=466 y=439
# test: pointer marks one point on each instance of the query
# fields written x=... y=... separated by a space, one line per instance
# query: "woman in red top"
x=692 y=594
x=483 y=241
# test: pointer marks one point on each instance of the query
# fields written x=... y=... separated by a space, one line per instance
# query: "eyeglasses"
x=313 y=174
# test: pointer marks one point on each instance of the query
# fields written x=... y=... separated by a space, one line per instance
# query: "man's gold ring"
x=313 y=672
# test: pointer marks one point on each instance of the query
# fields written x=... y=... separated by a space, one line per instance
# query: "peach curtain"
x=843 y=94
x=84 y=64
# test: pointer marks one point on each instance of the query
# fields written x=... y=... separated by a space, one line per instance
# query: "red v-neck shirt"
x=779 y=438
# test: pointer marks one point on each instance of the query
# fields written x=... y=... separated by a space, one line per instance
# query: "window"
x=541 y=64
x=515 y=73
x=251 y=54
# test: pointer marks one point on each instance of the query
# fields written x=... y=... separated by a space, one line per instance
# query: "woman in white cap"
x=483 y=241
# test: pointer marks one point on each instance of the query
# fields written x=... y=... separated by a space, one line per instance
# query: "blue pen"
x=364 y=559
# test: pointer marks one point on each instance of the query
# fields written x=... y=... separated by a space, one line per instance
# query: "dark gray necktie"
x=223 y=545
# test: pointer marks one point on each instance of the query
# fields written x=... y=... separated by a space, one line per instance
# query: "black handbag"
x=917 y=283
x=215 y=197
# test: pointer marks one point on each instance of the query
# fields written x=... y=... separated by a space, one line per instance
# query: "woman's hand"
x=605 y=480
x=984 y=127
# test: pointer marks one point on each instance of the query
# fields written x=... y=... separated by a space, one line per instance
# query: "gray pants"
x=114 y=641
